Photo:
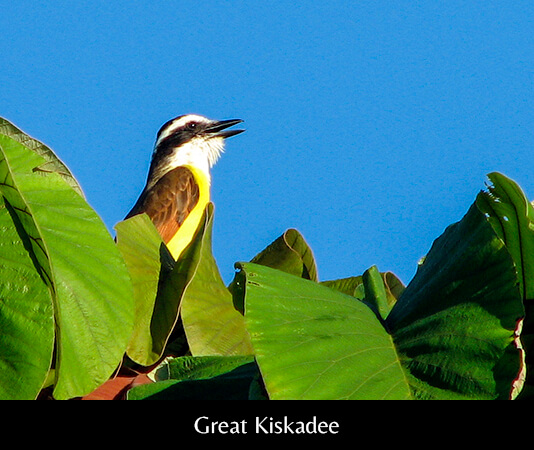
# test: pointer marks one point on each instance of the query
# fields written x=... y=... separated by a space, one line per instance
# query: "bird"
x=178 y=184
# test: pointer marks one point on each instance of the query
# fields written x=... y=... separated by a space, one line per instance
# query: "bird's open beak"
x=219 y=129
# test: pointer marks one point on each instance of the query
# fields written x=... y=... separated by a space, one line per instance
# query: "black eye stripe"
x=184 y=129
x=164 y=127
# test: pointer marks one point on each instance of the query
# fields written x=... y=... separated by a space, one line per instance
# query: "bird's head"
x=190 y=140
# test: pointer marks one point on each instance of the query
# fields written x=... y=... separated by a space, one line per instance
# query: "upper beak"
x=219 y=129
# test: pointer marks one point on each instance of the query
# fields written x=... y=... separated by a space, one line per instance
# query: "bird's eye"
x=191 y=125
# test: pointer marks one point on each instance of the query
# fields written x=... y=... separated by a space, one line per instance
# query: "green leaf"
x=289 y=253
x=375 y=292
x=512 y=217
x=394 y=287
x=191 y=287
x=212 y=324
x=312 y=342
x=51 y=162
x=379 y=291
x=454 y=325
x=26 y=315
x=71 y=248
x=198 y=378
x=149 y=263
x=350 y=286
x=199 y=367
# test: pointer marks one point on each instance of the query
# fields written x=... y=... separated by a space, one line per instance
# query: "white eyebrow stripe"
x=178 y=123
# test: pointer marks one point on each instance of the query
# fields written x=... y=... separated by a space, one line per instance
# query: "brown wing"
x=169 y=201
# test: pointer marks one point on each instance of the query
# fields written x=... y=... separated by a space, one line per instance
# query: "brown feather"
x=169 y=201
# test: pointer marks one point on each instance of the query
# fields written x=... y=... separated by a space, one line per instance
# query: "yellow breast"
x=186 y=232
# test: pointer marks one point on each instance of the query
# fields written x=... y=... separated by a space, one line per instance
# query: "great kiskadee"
x=178 y=184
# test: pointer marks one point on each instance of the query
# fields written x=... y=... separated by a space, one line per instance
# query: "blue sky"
x=371 y=125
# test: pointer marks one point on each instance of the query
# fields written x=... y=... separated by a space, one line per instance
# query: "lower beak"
x=219 y=129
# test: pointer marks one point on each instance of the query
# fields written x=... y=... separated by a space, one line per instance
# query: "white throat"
x=200 y=152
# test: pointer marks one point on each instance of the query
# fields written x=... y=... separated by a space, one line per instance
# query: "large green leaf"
x=312 y=342
x=72 y=250
x=190 y=287
x=149 y=263
x=26 y=314
x=51 y=162
x=201 y=378
x=512 y=217
x=198 y=367
x=454 y=325
x=379 y=291
x=212 y=324
x=290 y=253
x=455 y=328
